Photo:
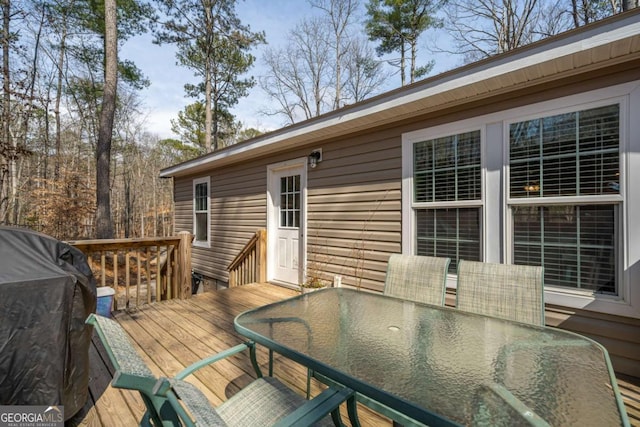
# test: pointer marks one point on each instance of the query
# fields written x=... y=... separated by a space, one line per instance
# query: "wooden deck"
x=173 y=334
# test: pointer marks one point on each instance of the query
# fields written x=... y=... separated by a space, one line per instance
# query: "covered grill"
x=47 y=291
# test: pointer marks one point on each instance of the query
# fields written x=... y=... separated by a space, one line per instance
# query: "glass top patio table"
x=442 y=366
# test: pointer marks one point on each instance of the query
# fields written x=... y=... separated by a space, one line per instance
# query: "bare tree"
x=299 y=77
x=104 y=223
x=487 y=27
x=339 y=14
x=364 y=74
x=324 y=66
x=6 y=145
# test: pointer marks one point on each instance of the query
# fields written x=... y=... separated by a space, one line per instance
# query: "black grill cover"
x=47 y=291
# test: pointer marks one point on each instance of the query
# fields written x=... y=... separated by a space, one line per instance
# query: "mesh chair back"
x=507 y=291
x=417 y=278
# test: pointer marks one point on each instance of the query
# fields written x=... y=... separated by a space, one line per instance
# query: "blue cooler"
x=105 y=301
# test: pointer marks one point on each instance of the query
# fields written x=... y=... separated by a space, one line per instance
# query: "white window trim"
x=497 y=249
x=204 y=180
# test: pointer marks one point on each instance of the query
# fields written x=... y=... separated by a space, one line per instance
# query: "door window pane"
x=290 y=201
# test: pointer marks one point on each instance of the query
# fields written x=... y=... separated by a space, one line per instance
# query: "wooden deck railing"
x=141 y=271
x=250 y=265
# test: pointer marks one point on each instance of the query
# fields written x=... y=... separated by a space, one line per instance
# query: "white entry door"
x=286 y=222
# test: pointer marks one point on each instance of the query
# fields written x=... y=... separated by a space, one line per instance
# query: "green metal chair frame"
x=506 y=291
x=175 y=402
x=417 y=278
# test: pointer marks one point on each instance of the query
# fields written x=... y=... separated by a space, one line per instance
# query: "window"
x=447 y=197
x=554 y=188
x=201 y=211
x=290 y=201
x=564 y=183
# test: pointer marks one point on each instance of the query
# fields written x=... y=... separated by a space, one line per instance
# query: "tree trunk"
x=414 y=52
x=207 y=76
x=5 y=144
x=208 y=121
x=403 y=51
x=63 y=38
x=104 y=223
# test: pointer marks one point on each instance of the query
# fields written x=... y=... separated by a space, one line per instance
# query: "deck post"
x=261 y=258
x=184 y=265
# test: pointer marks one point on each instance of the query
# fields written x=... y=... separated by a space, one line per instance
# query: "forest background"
x=77 y=157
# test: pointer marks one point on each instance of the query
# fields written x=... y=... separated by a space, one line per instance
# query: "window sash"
x=201 y=211
x=447 y=197
x=570 y=154
x=201 y=197
x=447 y=169
x=455 y=233
x=576 y=244
x=564 y=197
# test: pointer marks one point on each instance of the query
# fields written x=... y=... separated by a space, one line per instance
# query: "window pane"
x=201 y=199
x=201 y=226
x=448 y=169
x=290 y=201
x=558 y=135
x=453 y=233
x=525 y=140
x=573 y=154
x=575 y=244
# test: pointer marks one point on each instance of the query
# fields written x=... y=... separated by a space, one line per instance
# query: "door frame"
x=273 y=189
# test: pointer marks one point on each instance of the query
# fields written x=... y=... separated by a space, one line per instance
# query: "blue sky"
x=165 y=97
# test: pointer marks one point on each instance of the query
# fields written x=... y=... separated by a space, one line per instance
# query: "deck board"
x=173 y=334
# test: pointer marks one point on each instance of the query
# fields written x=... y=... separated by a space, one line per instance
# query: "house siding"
x=354 y=208
x=354 y=205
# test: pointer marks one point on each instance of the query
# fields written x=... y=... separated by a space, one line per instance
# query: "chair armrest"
x=317 y=408
x=181 y=395
x=213 y=359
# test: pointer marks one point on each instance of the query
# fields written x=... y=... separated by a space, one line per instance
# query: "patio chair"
x=506 y=291
x=174 y=402
x=417 y=278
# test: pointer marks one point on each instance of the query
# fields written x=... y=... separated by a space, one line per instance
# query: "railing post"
x=184 y=264
x=261 y=256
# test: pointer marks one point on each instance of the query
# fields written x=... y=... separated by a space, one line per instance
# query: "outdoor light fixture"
x=315 y=157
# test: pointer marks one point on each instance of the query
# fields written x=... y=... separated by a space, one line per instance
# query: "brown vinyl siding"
x=619 y=335
x=354 y=208
x=238 y=209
